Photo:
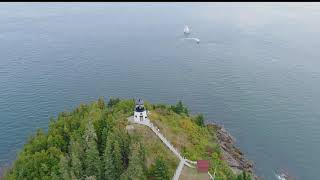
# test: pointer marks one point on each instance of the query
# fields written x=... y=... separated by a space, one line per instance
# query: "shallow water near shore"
x=255 y=71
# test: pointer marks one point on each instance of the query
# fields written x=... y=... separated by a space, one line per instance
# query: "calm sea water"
x=256 y=70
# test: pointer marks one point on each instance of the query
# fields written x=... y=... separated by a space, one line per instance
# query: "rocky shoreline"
x=231 y=154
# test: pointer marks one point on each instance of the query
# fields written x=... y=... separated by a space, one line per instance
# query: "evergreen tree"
x=102 y=127
x=76 y=164
x=90 y=134
x=199 y=120
x=103 y=139
x=53 y=175
x=160 y=170
x=101 y=103
x=135 y=169
x=124 y=142
x=117 y=159
x=113 y=101
x=186 y=111
x=179 y=108
x=92 y=159
x=142 y=154
x=109 y=168
x=64 y=168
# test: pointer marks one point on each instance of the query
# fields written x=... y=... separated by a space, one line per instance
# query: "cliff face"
x=231 y=154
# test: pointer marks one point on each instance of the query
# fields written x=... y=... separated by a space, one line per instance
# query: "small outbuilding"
x=203 y=166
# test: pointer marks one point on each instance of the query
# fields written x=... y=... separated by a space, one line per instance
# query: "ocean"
x=256 y=70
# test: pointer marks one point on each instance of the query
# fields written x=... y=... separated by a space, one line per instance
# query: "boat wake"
x=191 y=38
x=283 y=175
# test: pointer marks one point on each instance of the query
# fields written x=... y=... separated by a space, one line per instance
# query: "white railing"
x=192 y=162
x=212 y=177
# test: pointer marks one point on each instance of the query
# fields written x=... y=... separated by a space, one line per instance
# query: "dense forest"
x=92 y=142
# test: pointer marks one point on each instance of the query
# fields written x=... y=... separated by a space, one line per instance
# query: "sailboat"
x=186 y=30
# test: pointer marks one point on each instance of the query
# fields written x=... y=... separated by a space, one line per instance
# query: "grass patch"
x=154 y=147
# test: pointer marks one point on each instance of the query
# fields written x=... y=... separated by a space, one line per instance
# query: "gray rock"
x=231 y=154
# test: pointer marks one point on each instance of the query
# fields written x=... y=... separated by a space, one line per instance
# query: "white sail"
x=186 y=30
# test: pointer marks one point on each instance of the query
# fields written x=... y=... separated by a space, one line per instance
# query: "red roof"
x=203 y=165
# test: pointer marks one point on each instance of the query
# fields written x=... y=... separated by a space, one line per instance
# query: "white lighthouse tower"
x=140 y=113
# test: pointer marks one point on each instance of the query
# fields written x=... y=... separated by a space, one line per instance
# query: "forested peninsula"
x=97 y=142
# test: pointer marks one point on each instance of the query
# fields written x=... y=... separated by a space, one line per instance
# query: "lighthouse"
x=140 y=112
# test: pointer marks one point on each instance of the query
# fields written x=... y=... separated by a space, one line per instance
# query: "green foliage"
x=91 y=154
x=109 y=168
x=38 y=142
x=90 y=178
x=124 y=107
x=159 y=170
x=113 y=101
x=91 y=142
x=118 y=163
x=102 y=139
x=103 y=127
x=38 y=165
x=135 y=170
x=101 y=103
x=244 y=176
x=180 y=108
x=64 y=168
x=122 y=138
x=75 y=143
x=199 y=120
x=76 y=152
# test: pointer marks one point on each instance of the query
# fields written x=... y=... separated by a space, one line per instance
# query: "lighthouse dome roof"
x=139 y=102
